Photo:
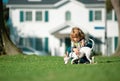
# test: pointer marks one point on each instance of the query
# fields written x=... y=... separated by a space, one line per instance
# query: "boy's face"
x=75 y=39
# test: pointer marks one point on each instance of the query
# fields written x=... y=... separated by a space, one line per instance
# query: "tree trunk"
x=116 y=6
x=6 y=45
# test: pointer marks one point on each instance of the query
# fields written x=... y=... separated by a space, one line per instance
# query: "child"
x=77 y=41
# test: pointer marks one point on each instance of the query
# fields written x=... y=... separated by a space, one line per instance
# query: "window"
x=25 y=16
x=31 y=42
x=35 y=43
x=112 y=16
x=95 y=15
x=28 y=16
x=20 y=42
x=38 y=44
x=68 y=16
x=97 y=47
x=98 y=15
x=109 y=16
x=38 y=16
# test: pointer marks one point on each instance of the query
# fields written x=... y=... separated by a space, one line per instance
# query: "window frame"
x=92 y=15
x=68 y=16
x=26 y=16
x=110 y=14
x=97 y=16
x=41 y=16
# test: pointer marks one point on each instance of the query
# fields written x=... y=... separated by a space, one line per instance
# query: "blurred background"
x=43 y=26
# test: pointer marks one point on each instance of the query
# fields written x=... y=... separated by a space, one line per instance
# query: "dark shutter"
x=90 y=15
x=46 y=16
x=21 y=16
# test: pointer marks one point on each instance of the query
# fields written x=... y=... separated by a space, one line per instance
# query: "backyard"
x=52 y=68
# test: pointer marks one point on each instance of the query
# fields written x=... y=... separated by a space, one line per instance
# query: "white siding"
x=79 y=17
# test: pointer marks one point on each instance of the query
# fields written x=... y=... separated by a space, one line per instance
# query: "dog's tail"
x=93 y=43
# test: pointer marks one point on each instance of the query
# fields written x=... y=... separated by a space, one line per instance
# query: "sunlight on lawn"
x=48 y=68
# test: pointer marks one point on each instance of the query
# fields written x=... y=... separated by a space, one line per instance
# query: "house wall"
x=79 y=17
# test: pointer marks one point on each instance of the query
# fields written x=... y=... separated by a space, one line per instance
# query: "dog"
x=84 y=51
x=87 y=52
x=74 y=57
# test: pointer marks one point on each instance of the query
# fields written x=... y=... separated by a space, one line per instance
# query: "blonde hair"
x=77 y=33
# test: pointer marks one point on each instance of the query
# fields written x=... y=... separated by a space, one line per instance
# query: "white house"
x=46 y=24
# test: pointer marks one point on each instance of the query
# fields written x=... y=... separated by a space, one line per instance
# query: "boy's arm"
x=82 y=42
x=72 y=46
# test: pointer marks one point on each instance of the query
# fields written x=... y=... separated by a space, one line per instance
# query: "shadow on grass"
x=110 y=61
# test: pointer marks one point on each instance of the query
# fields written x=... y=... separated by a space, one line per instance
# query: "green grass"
x=48 y=68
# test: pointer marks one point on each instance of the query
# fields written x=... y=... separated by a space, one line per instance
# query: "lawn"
x=52 y=68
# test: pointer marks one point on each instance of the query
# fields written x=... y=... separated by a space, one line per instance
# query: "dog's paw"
x=66 y=59
x=93 y=58
x=72 y=62
x=66 y=62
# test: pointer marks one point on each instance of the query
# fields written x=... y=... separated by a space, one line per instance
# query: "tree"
x=6 y=45
x=116 y=7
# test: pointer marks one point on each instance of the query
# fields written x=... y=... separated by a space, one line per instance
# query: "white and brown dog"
x=84 y=51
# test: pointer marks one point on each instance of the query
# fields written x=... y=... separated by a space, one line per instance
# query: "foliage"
x=6 y=12
x=48 y=68
x=109 y=6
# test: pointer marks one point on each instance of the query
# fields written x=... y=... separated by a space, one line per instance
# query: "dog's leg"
x=80 y=56
x=88 y=57
x=75 y=57
x=73 y=60
x=66 y=60
x=93 y=59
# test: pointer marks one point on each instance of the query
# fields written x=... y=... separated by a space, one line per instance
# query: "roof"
x=92 y=1
x=33 y=2
x=49 y=2
x=67 y=26
x=36 y=3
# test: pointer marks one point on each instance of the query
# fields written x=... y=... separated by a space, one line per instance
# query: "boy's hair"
x=77 y=33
